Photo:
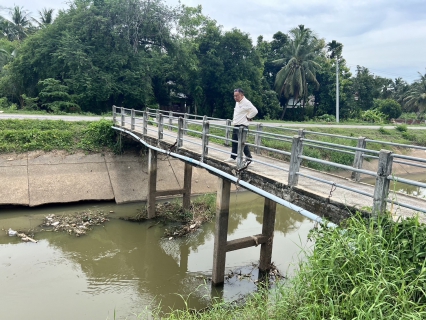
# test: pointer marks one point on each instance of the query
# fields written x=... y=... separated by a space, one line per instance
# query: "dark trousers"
x=235 y=144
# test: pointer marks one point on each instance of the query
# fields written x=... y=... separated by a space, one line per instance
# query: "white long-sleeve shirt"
x=243 y=110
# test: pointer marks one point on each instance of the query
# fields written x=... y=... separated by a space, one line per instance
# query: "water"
x=121 y=269
x=405 y=188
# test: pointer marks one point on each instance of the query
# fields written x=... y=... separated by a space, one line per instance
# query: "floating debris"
x=12 y=233
x=75 y=224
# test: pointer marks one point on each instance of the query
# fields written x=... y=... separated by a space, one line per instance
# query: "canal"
x=120 y=269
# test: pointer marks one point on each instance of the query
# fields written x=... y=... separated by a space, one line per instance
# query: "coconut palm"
x=415 y=99
x=17 y=27
x=300 y=53
x=45 y=17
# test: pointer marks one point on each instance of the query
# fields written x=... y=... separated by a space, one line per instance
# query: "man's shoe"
x=247 y=160
x=230 y=160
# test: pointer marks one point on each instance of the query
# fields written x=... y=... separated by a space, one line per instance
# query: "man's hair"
x=239 y=90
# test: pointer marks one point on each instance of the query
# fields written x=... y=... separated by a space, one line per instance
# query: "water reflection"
x=405 y=188
x=125 y=267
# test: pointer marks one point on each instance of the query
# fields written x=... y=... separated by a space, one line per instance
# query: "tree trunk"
x=284 y=110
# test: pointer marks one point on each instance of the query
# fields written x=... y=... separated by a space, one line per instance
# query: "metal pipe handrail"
x=335 y=184
x=331 y=149
x=338 y=165
x=270 y=149
x=340 y=146
x=407 y=181
x=242 y=183
x=405 y=205
x=330 y=135
x=408 y=158
x=396 y=144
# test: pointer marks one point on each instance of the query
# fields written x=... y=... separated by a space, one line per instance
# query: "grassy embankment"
x=47 y=135
x=371 y=270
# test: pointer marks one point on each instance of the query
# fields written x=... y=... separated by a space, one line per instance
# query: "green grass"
x=369 y=270
x=47 y=135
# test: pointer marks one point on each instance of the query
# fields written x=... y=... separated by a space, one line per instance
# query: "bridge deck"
x=275 y=180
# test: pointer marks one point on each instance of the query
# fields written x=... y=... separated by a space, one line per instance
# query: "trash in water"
x=12 y=233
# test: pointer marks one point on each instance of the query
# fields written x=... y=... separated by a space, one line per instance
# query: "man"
x=244 y=112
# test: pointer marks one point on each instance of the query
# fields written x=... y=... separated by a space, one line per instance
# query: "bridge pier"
x=152 y=185
x=222 y=246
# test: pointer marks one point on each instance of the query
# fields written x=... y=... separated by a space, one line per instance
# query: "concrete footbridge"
x=274 y=173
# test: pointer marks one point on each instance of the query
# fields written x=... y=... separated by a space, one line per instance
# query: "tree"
x=365 y=89
x=45 y=17
x=389 y=107
x=301 y=51
x=18 y=27
x=105 y=54
x=415 y=99
x=54 y=97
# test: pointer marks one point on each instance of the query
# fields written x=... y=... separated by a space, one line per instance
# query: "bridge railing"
x=200 y=126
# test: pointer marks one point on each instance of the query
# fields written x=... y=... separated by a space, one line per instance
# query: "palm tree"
x=45 y=17
x=300 y=52
x=17 y=27
x=335 y=48
x=415 y=99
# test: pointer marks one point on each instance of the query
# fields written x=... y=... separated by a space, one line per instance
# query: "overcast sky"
x=386 y=36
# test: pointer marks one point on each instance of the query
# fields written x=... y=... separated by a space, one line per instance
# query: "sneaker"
x=248 y=160
x=230 y=160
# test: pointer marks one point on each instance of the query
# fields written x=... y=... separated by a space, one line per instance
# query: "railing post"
x=114 y=115
x=170 y=120
x=160 y=126
x=228 y=132
x=205 y=138
x=187 y=179
x=145 y=123
x=242 y=137
x=157 y=115
x=180 y=133
x=185 y=123
x=122 y=117
x=258 y=137
x=296 y=151
x=358 y=158
x=132 y=120
x=381 y=188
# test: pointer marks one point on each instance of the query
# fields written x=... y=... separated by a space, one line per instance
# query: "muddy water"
x=120 y=270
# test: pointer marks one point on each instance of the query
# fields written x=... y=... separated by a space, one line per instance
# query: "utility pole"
x=337 y=88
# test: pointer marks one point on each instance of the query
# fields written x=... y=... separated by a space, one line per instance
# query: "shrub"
x=401 y=128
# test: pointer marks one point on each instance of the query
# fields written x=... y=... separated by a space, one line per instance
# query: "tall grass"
x=368 y=270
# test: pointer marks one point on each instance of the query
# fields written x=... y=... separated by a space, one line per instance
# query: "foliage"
x=372 y=115
x=300 y=66
x=401 y=128
x=371 y=269
x=415 y=98
x=29 y=103
x=326 y=118
x=54 y=97
x=47 y=135
x=389 y=107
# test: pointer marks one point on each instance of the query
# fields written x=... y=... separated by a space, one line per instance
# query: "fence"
x=153 y=121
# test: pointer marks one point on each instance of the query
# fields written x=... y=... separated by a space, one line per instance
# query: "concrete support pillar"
x=221 y=231
x=242 y=137
x=170 y=120
x=269 y=211
x=132 y=120
x=381 y=189
x=152 y=183
x=358 y=159
x=187 y=178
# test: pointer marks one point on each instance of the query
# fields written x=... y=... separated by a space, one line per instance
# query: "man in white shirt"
x=244 y=112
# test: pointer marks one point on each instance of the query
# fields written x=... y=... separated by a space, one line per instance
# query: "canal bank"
x=38 y=178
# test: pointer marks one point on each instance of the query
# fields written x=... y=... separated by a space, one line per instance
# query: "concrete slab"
x=128 y=180
x=62 y=157
x=13 y=159
x=62 y=183
x=14 y=185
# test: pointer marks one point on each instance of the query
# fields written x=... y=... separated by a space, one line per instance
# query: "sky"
x=386 y=36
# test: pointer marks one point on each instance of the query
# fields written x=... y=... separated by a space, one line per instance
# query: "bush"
x=373 y=115
x=326 y=118
x=401 y=128
x=389 y=107
x=4 y=104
